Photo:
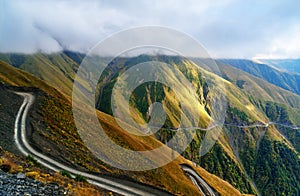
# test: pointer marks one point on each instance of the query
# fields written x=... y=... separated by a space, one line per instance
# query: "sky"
x=225 y=28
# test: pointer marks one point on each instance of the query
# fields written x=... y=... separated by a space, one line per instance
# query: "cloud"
x=286 y=44
x=53 y=25
x=227 y=28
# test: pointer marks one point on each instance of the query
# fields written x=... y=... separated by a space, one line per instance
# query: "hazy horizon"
x=83 y=53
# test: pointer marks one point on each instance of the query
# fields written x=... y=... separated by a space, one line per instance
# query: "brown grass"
x=18 y=164
x=169 y=177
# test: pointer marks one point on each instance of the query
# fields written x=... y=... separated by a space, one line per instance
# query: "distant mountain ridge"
x=286 y=65
x=288 y=81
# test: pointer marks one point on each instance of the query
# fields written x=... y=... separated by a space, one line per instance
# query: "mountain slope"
x=56 y=69
x=261 y=90
x=284 y=80
x=258 y=87
x=53 y=132
x=285 y=65
x=229 y=157
x=238 y=155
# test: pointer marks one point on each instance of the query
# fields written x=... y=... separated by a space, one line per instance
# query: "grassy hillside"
x=146 y=94
x=280 y=106
x=238 y=155
x=258 y=87
x=284 y=159
x=54 y=133
x=58 y=70
x=235 y=157
x=17 y=77
x=288 y=81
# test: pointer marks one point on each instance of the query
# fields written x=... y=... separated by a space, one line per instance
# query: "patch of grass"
x=33 y=175
x=33 y=161
x=66 y=173
x=80 y=178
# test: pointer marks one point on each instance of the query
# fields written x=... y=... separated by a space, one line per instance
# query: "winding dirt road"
x=203 y=187
x=116 y=185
